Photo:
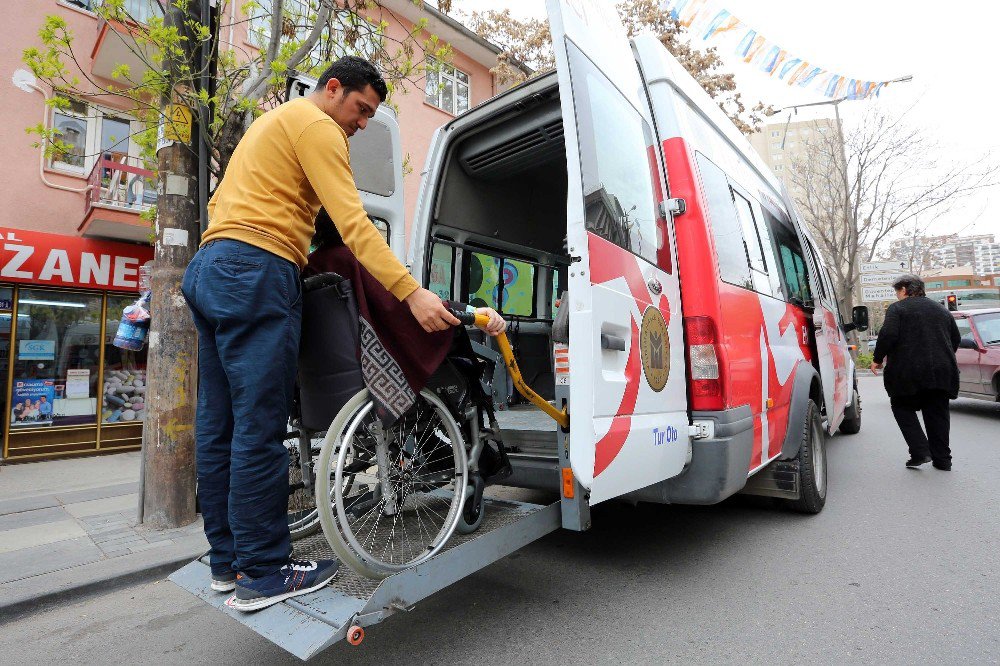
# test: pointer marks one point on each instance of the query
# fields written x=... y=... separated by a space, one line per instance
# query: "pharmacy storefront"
x=66 y=389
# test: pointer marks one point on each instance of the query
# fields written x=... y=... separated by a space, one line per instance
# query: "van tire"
x=812 y=465
x=852 y=426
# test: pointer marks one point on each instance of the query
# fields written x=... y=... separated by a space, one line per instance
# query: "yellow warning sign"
x=178 y=123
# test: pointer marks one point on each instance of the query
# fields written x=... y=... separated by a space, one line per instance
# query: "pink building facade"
x=74 y=236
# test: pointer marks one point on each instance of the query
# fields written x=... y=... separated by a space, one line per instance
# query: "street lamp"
x=840 y=133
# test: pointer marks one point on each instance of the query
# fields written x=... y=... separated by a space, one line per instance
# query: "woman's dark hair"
x=913 y=285
x=354 y=73
x=327 y=233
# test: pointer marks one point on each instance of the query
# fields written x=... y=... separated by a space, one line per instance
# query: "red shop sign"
x=34 y=257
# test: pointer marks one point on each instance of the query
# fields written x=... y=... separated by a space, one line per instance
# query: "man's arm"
x=322 y=152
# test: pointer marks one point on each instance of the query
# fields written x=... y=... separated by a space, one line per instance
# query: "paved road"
x=901 y=567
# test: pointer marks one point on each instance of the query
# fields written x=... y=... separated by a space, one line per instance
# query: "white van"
x=704 y=342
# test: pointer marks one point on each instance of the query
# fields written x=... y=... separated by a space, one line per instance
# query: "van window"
x=824 y=293
x=487 y=273
x=755 y=247
x=615 y=140
x=731 y=251
x=442 y=270
x=793 y=263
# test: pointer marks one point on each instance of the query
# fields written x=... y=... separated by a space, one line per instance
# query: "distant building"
x=974 y=289
x=980 y=253
x=782 y=144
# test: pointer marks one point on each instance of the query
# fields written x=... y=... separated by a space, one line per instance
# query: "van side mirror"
x=859 y=317
x=968 y=343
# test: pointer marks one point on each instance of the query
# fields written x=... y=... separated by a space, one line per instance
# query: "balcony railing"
x=122 y=182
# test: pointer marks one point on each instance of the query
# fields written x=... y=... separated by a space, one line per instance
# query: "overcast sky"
x=951 y=53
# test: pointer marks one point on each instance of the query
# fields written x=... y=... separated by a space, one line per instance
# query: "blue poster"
x=32 y=402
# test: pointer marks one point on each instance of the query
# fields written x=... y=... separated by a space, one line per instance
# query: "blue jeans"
x=247 y=307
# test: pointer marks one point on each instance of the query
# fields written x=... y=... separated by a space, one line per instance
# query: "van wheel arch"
x=806 y=389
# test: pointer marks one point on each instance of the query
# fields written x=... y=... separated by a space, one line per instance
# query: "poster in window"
x=78 y=383
x=32 y=402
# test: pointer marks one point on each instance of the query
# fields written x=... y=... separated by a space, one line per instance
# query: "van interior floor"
x=527 y=430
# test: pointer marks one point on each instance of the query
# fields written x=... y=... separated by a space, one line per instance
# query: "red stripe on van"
x=696 y=265
x=611 y=444
x=608 y=262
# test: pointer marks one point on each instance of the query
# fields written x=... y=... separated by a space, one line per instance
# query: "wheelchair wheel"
x=303 y=519
x=397 y=492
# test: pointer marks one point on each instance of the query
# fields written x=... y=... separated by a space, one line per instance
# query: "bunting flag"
x=705 y=20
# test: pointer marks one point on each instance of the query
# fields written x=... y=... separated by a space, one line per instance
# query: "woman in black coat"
x=919 y=337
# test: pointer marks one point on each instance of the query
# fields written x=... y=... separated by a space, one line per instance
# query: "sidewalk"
x=68 y=528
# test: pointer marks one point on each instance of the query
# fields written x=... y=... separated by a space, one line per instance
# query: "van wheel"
x=852 y=426
x=812 y=465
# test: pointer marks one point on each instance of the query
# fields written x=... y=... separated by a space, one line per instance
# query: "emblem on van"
x=654 y=348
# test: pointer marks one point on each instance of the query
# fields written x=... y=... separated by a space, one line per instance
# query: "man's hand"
x=496 y=325
x=429 y=311
x=876 y=367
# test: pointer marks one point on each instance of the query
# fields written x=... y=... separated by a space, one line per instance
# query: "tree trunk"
x=168 y=488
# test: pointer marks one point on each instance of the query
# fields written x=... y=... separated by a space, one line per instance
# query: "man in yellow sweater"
x=245 y=296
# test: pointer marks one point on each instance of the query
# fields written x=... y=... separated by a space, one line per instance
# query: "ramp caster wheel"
x=355 y=635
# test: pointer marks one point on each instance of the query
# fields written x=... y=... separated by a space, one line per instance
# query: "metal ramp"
x=306 y=625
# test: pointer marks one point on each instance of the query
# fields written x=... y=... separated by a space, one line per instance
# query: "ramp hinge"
x=702 y=430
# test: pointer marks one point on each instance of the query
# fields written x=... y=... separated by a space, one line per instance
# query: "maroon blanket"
x=397 y=355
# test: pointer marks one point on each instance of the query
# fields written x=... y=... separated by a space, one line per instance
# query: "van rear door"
x=377 y=164
x=627 y=393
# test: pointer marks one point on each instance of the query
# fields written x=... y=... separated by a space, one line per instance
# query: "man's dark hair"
x=354 y=73
x=913 y=285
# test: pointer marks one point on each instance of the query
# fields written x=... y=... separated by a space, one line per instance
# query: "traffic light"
x=952 y=302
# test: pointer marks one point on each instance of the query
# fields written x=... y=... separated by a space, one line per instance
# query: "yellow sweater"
x=292 y=159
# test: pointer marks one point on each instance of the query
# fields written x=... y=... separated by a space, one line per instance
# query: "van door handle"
x=612 y=342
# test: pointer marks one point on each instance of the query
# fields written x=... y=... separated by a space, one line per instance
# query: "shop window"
x=446 y=87
x=123 y=395
x=6 y=305
x=56 y=363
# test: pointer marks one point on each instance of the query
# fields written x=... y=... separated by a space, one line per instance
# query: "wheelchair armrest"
x=322 y=280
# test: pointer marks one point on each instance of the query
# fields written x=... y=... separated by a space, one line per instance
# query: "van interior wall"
x=519 y=199
x=527 y=208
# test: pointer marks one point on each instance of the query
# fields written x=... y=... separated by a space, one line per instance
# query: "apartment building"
x=981 y=253
x=783 y=144
x=74 y=238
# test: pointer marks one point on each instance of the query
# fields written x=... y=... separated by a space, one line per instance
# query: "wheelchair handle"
x=473 y=319
x=470 y=318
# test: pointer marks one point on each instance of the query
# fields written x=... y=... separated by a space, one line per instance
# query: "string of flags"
x=705 y=20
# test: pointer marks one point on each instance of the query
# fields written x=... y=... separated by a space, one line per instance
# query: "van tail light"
x=703 y=364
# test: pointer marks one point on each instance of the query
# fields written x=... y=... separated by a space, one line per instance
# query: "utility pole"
x=167 y=496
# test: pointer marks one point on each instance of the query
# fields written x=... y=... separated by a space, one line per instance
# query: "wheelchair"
x=390 y=497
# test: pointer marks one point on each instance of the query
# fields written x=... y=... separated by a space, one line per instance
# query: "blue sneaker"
x=295 y=578
x=224 y=582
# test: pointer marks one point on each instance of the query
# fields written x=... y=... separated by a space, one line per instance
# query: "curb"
x=21 y=598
